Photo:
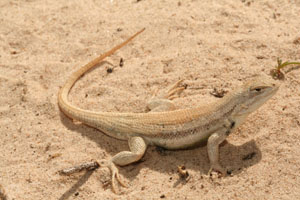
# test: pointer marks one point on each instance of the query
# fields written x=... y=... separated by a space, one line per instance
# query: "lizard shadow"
x=234 y=158
x=77 y=185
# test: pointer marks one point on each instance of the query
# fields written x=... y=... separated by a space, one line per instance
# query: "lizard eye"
x=257 y=89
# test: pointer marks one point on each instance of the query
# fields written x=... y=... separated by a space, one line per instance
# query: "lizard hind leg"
x=163 y=101
x=137 y=148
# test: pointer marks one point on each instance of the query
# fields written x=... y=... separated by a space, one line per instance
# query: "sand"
x=209 y=44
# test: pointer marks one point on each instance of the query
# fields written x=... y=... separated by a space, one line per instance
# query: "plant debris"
x=276 y=73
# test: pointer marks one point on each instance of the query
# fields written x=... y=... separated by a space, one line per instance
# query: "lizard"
x=165 y=126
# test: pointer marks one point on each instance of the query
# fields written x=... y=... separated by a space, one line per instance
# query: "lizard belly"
x=182 y=140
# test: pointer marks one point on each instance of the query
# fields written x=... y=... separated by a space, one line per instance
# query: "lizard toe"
x=174 y=93
x=217 y=168
x=115 y=176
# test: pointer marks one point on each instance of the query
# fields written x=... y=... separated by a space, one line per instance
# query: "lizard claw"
x=217 y=168
x=114 y=174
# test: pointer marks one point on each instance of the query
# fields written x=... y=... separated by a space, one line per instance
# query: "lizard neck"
x=229 y=107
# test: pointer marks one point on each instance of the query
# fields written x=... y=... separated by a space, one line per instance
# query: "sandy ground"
x=209 y=44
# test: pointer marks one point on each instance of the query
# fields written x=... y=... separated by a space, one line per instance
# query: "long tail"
x=63 y=102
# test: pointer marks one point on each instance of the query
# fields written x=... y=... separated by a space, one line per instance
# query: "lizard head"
x=253 y=94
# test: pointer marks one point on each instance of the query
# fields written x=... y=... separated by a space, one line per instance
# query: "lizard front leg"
x=163 y=102
x=213 y=151
x=137 y=148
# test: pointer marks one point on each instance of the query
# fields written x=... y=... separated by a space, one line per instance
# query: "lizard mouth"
x=261 y=99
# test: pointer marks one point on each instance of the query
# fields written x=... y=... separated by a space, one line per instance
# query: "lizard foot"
x=217 y=168
x=170 y=94
x=174 y=91
x=114 y=174
x=163 y=101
